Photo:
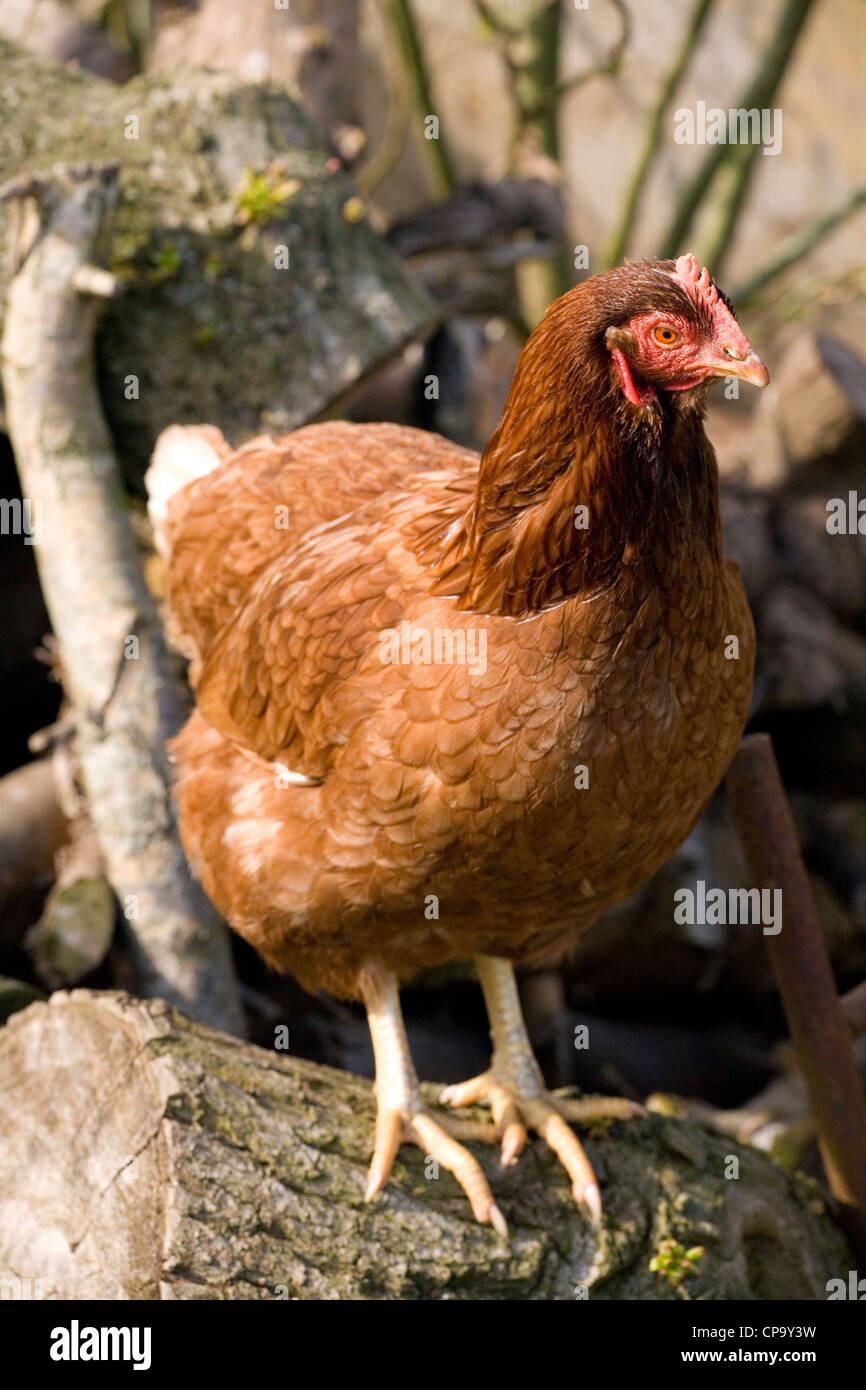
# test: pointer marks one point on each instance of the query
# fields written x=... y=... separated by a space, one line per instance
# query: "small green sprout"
x=263 y=196
x=674 y=1262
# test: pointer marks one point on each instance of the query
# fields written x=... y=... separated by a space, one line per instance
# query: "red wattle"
x=637 y=395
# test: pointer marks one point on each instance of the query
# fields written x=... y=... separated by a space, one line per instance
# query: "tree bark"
x=147 y=1156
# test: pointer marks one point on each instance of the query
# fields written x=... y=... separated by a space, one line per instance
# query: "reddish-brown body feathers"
x=444 y=812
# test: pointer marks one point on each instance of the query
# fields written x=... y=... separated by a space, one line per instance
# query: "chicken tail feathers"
x=183 y=453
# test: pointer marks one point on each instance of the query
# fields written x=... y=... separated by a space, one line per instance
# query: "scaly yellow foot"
x=402 y=1117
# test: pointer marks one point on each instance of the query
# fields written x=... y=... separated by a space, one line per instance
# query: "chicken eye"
x=666 y=336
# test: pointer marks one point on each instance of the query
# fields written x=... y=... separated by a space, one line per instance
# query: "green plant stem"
x=410 y=44
x=797 y=245
x=541 y=76
x=732 y=186
x=652 y=138
x=536 y=77
x=759 y=94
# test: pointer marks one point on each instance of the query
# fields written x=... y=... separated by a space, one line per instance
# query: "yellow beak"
x=747 y=366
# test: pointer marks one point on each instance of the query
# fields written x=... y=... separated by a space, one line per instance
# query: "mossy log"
x=212 y=323
x=145 y=1156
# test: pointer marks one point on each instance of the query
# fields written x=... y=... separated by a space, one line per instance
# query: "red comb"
x=696 y=282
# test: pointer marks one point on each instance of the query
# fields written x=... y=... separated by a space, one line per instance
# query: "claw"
x=498 y=1222
x=513 y=1140
x=592 y=1197
x=389 y=1127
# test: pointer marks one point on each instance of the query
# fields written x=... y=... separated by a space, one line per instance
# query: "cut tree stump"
x=145 y=1156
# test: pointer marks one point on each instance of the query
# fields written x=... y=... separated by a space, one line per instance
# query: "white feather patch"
x=181 y=454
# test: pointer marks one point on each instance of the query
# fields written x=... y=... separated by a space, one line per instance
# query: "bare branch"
x=114 y=665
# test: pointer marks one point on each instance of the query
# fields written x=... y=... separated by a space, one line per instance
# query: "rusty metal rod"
x=801 y=963
x=854 y=1008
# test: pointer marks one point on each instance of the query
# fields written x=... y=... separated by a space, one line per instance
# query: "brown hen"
x=448 y=707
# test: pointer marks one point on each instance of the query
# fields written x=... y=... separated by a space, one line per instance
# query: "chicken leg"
x=516 y=1092
x=401 y=1114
